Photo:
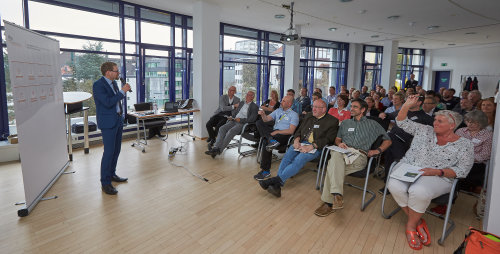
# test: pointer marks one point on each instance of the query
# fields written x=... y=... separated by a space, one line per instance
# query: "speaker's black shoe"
x=118 y=179
x=109 y=189
x=214 y=152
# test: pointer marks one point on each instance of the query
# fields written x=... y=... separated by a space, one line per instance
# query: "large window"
x=152 y=48
x=251 y=60
x=409 y=61
x=372 y=66
x=323 y=64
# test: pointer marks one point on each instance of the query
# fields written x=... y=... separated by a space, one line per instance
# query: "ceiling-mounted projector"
x=290 y=36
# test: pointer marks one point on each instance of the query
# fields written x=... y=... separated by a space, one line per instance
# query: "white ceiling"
x=455 y=18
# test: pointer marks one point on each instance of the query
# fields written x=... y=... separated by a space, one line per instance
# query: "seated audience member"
x=421 y=92
x=372 y=110
x=285 y=122
x=401 y=140
x=449 y=100
x=418 y=88
x=442 y=155
x=341 y=112
x=377 y=104
x=272 y=103
x=410 y=91
x=429 y=106
x=441 y=91
x=438 y=98
x=481 y=138
x=464 y=94
x=351 y=91
x=475 y=97
x=296 y=106
x=319 y=91
x=364 y=92
x=387 y=100
x=464 y=107
x=397 y=101
x=332 y=97
x=246 y=112
x=372 y=92
x=308 y=108
x=227 y=103
x=316 y=131
x=356 y=134
x=303 y=99
x=489 y=107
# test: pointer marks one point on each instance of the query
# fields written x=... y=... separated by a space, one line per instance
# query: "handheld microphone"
x=123 y=83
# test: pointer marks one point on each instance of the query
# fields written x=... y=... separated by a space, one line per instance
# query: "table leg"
x=70 y=142
x=86 y=131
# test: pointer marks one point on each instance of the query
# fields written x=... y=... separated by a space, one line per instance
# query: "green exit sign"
x=444 y=64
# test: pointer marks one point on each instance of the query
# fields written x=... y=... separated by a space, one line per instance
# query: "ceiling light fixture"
x=345 y=1
x=413 y=40
x=451 y=44
x=393 y=17
x=333 y=29
x=374 y=36
x=362 y=12
x=279 y=16
x=471 y=33
x=432 y=27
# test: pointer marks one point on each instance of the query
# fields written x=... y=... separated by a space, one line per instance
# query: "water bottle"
x=155 y=107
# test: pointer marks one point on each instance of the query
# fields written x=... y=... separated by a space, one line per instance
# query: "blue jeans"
x=293 y=161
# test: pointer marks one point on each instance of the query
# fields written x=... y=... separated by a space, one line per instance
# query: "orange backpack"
x=478 y=241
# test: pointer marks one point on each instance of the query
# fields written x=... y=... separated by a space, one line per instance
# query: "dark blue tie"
x=115 y=87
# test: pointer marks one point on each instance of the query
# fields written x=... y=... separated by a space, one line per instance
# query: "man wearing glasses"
x=227 y=103
x=317 y=130
x=108 y=97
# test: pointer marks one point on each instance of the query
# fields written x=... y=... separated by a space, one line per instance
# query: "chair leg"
x=365 y=188
x=388 y=216
x=319 y=170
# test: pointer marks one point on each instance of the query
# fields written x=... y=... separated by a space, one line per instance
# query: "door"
x=442 y=79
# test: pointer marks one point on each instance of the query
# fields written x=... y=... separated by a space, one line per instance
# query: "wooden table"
x=74 y=98
x=141 y=116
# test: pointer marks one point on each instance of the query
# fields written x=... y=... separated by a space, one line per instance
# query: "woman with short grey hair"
x=452 y=116
x=481 y=138
x=441 y=154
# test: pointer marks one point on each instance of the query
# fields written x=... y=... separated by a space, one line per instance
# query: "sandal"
x=423 y=230
x=413 y=240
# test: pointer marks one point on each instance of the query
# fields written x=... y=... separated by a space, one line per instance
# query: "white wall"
x=481 y=60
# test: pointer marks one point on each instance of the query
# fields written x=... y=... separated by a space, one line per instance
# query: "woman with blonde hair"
x=272 y=103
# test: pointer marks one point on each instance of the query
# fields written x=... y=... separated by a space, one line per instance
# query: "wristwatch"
x=442 y=172
x=379 y=150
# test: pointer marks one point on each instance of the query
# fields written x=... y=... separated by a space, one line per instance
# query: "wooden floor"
x=165 y=209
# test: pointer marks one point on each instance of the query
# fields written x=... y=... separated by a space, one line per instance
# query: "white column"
x=205 y=63
x=354 y=66
x=389 y=64
x=428 y=78
x=292 y=66
x=491 y=222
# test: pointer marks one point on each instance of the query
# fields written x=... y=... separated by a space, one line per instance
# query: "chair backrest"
x=143 y=106
x=375 y=145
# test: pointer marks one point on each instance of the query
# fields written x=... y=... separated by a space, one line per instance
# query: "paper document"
x=305 y=144
x=406 y=172
x=338 y=149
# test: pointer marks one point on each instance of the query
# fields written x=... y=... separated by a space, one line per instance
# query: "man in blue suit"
x=108 y=97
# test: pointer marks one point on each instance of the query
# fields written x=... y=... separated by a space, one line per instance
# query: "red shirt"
x=342 y=115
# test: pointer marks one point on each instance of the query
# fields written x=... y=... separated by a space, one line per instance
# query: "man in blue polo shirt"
x=285 y=122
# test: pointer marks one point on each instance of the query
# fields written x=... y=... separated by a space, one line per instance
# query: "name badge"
x=350 y=129
x=414 y=118
x=476 y=141
x=316 y=126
